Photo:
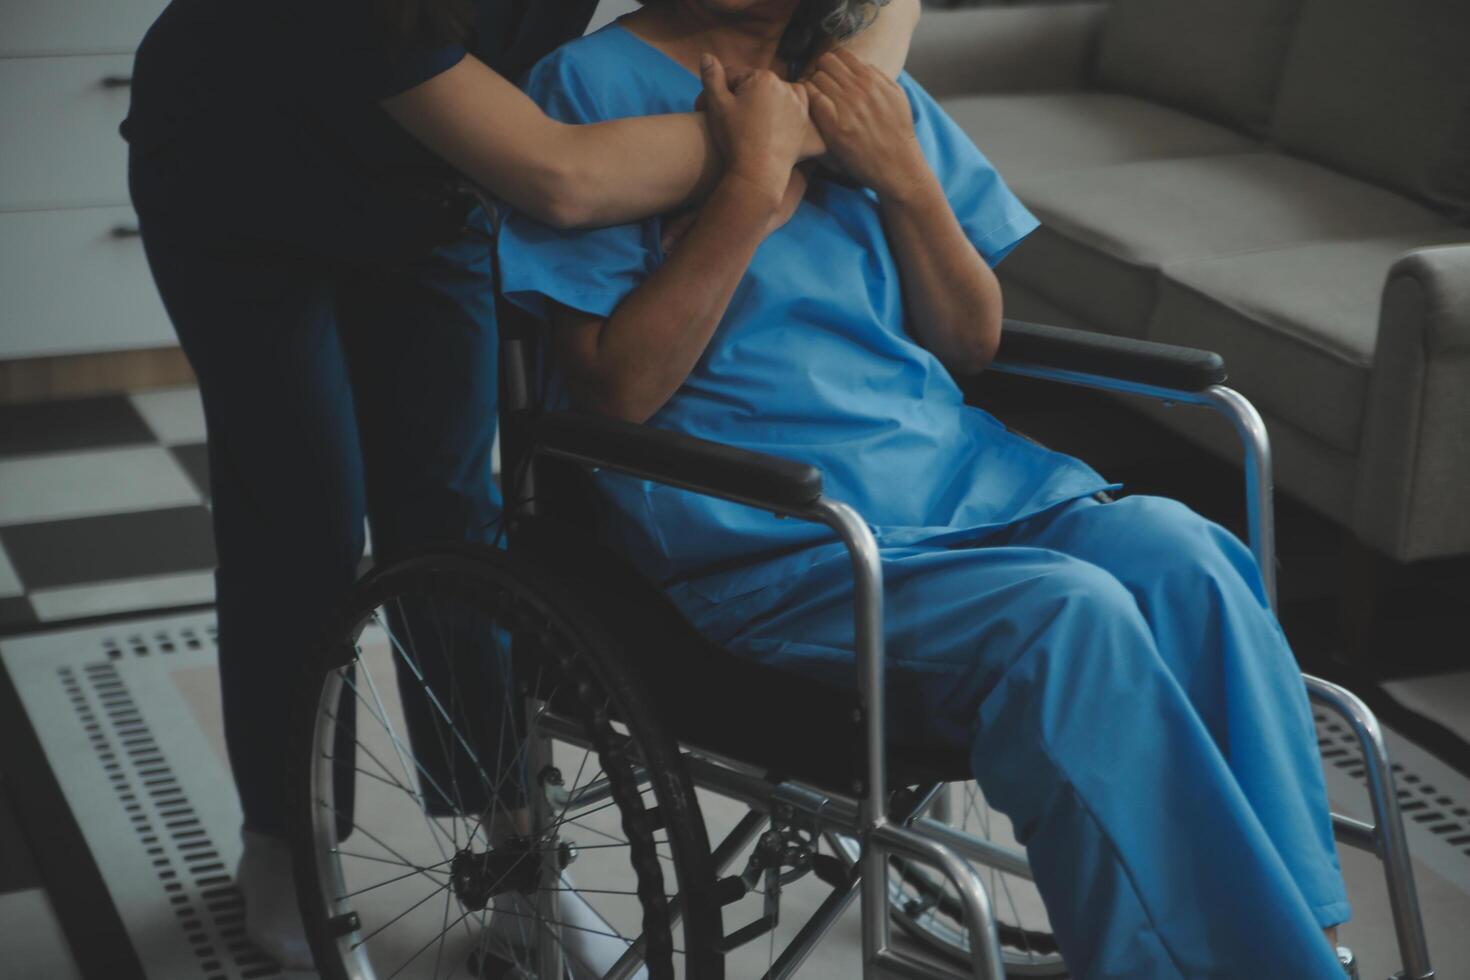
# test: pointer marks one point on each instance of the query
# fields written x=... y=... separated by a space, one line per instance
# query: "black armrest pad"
x=680 y=460
x=1122 y=358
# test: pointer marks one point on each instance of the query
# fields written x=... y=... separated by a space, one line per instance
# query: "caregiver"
x=292 y=163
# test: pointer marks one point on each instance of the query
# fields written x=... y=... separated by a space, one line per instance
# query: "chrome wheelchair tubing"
x=812 y=931
x=977 y=848
x=1259 y=491
x=1356 y=833
x=867 y=572
x=1386 y=836
x=1259 y=488
x=887 y=839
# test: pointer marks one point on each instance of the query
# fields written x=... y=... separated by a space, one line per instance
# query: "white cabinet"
x=75 y=281
x=60 y=118
x=43 y=27
x=68 y=283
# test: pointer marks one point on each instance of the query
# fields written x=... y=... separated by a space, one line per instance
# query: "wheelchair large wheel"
x=481 y=791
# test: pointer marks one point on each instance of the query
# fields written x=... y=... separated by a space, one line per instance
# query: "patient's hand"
x=867 y=123
x=760 y=125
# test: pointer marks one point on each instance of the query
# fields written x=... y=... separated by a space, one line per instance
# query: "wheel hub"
x=478 y=876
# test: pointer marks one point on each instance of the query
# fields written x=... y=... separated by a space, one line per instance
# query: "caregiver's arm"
x=884 y=44
x=565 y=175
x=599 y=174
x=628 y=365
x=953 y=299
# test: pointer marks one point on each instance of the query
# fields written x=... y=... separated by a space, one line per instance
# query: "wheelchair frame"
x=1173 y=375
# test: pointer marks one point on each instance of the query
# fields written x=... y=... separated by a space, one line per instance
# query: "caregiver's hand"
x=867 y=123
x=675 y=227
x=759 y=126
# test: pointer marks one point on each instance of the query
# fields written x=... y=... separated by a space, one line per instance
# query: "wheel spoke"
x=375 y=839
x=399 y=749
x=404 y=965
x=368 y=938
x=389 y=881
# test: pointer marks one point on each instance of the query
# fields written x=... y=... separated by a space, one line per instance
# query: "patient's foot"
x=272 y=916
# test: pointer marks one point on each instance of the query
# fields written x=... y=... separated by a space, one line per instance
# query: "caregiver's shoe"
x=1349 y=962
x=590 y=944
x=272 y=917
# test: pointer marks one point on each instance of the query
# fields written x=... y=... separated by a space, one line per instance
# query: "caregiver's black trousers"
x=333 y=391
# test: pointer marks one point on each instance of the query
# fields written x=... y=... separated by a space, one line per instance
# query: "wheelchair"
x=502 y=755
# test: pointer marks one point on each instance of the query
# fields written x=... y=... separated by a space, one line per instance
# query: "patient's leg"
x=1200 y=592
x=1150 y=859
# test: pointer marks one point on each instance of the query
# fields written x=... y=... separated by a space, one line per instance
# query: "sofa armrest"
x=1083 y=352
x=1441 y=278
x=1005 y=49
x=1414 y=464
x=679 y=460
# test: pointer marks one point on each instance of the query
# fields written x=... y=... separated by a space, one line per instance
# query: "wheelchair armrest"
x=679 y=460
x=1144 y=362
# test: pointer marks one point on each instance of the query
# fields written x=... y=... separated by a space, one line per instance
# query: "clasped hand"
x=867 y=124
x=763 y=127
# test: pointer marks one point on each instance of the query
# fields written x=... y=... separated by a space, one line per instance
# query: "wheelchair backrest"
x=533 y=485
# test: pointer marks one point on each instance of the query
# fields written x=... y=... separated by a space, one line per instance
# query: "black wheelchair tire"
x=503 y=584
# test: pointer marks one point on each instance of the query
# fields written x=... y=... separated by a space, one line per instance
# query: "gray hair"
x=847 y=17
x=817 y=21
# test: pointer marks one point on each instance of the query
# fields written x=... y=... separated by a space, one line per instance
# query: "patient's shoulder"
x=603 y=75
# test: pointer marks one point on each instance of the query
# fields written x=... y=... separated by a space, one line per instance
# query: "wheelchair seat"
x=788 y=725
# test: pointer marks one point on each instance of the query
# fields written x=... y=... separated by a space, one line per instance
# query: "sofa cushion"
x=1037 y=134
x=1297 y=326
x=1382 y=89
x=1107 y=231
x=1219 y=58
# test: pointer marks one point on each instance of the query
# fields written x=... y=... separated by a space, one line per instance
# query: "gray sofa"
x=1286 y=182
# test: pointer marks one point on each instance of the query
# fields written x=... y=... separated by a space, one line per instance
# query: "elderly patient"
x=1129 y=699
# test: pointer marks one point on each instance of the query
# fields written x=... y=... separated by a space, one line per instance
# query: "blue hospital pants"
x=1130 y=703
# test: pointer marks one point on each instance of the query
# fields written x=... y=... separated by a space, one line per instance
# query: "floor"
x=104 y=508
x=104 y=511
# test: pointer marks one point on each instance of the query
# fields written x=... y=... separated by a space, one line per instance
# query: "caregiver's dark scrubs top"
x=275 y=106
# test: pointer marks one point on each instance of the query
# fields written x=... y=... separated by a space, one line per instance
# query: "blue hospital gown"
x=813 y=359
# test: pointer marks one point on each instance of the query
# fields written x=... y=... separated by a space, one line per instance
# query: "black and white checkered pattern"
x=104 y=507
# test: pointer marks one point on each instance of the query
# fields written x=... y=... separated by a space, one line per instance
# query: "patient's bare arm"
x=628 y=365
x=953 y=299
